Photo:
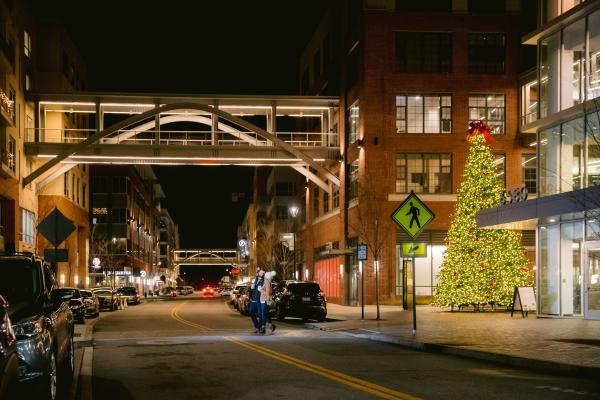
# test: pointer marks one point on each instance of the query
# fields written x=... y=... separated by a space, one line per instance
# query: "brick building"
x=410 y=77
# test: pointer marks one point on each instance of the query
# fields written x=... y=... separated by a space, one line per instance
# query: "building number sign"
x=515 y=195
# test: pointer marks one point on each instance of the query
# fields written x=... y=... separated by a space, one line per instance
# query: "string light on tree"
x=481 y=266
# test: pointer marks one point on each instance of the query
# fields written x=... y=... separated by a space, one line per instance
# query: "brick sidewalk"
x=569 y=345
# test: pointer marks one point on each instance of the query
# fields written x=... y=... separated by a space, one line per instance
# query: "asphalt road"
x=189 y=348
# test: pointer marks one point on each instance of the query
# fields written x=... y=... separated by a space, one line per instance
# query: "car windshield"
x=103 y=292
x=74 y=293
x=20 y=280
x=127 y=290
x=86 y=293
x=312 y=288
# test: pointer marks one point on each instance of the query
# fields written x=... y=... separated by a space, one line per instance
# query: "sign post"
x=412 y=216
x=361 y=254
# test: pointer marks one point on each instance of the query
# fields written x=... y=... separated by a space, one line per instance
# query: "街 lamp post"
x=294 y=213
x=112 y=253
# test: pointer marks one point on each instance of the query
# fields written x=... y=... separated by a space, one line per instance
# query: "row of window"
x=432 y=113
x=431 y=52
x=76 y=190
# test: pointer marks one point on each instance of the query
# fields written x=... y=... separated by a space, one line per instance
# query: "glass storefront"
x=560 y=276
x=569 y=155
x=569 y=68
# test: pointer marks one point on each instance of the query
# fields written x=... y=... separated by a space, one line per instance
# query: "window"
x=66 y=184
x=424 y=6
x=353 y=116
x=11 y=158
x=119 y=215
x=487 y=53
x=285 y=189
x=353 y=180
x=487 y=5
x=316 y=202
x=77 y=191
x=27 y=43
x=281 y=212
x=489 y=108
x=423 y=173
x=73 y=187
x=27 y=81
x=423 y=52
x=27 y=226
x=336 y=197
x=325 y=202
x=529 y=172
x=83 y=194
x=119 y=184
x=423 y=114
x=500 y=167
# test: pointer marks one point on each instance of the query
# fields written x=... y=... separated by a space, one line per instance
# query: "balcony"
x=7 y=56
x=8 y=166
x=7 y=110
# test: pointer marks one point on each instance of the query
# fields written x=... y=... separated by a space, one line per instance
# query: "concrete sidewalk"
x=570 y=346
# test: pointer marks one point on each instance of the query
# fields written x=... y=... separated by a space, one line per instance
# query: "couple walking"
x=260 y=298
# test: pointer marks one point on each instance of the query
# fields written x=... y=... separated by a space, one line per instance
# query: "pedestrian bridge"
x=295 y=131
x=206 y=257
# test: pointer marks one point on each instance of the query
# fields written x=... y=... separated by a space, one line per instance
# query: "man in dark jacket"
x=254 y=308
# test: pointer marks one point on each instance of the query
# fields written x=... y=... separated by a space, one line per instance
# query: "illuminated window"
x=500 y=167
x=489 y=108
x=529 y=172
x=423 y=173
x=27 y=43
x=353 y=116
x=27 y=226
x=423 y=114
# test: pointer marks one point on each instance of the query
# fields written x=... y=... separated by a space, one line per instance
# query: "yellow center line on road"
x=356 y=383
x=175 y=315
x=348 y=380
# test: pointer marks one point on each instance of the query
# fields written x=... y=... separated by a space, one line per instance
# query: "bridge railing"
x=184 y=138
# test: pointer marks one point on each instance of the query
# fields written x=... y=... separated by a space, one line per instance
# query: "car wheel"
x=69 y=361
x=48 y=388
x=280 y=314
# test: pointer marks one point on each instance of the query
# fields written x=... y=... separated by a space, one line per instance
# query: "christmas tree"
x=481 y=265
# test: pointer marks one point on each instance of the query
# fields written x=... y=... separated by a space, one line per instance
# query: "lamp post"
x=112 y=253
x=294 y=213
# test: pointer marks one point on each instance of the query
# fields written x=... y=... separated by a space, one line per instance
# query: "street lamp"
x=294 y=213
x=112 y=252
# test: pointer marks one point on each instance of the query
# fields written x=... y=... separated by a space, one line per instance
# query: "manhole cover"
x=589 y=342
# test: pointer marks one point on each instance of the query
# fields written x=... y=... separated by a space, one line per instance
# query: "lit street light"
x=112 y=253
x=294 y=213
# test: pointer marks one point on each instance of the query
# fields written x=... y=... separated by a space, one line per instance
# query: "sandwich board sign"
x=523 y=300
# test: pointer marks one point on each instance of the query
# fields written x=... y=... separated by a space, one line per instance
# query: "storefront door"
x=592 y=280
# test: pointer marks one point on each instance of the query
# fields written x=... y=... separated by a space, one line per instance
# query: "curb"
x=505 y=359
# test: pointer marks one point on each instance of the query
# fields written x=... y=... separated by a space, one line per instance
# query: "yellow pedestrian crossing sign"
x=412 y=215
x=414 y=249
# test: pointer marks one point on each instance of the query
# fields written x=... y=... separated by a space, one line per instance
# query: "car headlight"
x=29 y=328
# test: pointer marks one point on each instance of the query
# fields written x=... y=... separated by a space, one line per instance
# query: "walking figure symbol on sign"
x=415 y=215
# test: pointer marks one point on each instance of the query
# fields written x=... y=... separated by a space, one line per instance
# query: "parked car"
x=243 y=300
x=107 y=298
x=91 y=303
x=169 y=291
x=234 y=294
x=42 y=322
x=9 y=362
x=75 y=302
x=188 y=289
x=225 y=290
x=299 y=299
x=180 y=291
x=130 y=294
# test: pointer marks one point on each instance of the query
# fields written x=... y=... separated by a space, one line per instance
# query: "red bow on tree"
x=480 y=127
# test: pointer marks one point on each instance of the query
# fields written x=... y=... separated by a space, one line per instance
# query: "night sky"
x=223 y=47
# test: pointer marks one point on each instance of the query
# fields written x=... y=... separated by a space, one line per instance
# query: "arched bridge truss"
x=206 y=257
x=184 y=130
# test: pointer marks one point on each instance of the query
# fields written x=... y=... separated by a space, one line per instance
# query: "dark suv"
x=299 y=299
x=42 y=322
